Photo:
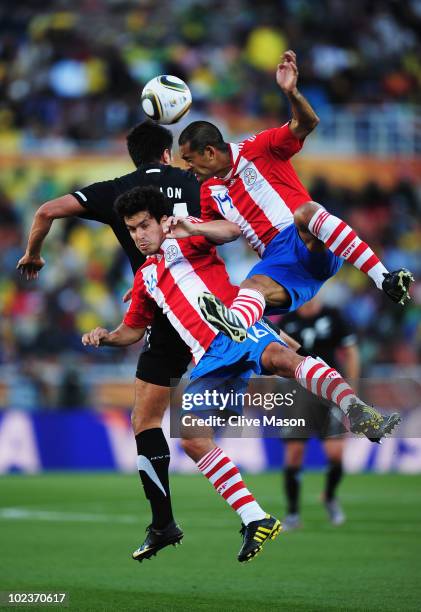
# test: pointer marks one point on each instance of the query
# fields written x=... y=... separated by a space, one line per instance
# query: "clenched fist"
x=95 y=337
x=30 y=265
x=179 y=227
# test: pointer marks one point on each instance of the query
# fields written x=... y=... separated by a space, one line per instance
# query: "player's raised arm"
x=65 y=206
x=218 y=232
x=123 y=335
x=304 y=119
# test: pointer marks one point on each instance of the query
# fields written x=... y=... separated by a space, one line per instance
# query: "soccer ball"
x=166 y=99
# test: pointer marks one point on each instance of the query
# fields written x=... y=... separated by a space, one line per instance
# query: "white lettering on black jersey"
x=180 y=187
x=172 y=192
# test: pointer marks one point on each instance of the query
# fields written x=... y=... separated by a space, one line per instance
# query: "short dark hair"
x=147 y=141
x=140 y=199
x=201 y=134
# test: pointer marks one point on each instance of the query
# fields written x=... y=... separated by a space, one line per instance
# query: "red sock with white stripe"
x=224 y=475
x=341 y=239
x=324 y=381
x=248 y=306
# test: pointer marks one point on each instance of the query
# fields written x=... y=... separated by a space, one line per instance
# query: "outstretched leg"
x=341 y=239
x=325 y=382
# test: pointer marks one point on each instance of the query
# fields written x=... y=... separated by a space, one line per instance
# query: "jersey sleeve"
x=142 y=307
x=280 y=142
x=209 y=212
x=98 y=200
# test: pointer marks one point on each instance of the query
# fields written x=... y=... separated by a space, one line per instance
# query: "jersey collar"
x=234 y=151
x=168 y=242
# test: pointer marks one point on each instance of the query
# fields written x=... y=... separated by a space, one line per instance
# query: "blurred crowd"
x=72 y=72
x=87 y=273
x=71 y=76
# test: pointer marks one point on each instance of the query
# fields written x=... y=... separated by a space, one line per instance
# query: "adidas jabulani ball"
x=166 y=99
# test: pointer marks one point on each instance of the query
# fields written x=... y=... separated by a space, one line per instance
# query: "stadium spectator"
x=211 y=46
x=60 y=82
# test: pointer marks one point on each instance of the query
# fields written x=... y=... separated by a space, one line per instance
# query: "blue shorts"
x=288 y=261
x=227 y=366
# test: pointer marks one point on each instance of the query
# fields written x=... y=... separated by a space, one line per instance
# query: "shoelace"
x=373 y=413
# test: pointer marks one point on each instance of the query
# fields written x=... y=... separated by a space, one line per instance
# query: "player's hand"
x=128 y=295
x=178 y=227
x=30 y=265
x=287 y=72
x=95 y=337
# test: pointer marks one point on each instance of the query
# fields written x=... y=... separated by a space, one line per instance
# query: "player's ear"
x=210 y=152
x=166 y=157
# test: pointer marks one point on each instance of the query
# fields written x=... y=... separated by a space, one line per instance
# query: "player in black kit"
x=321 y=331
x=164 y=356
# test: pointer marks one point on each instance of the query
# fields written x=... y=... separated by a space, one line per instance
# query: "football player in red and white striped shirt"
x=254 y=185
x=181 y=264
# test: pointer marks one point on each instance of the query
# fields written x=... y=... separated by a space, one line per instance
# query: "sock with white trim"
x=341 y=239
x=153 y=462
x=225 y=477
x=318 y=378
x=248 y=306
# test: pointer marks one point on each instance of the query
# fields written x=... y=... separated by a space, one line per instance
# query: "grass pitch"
x=75 y=533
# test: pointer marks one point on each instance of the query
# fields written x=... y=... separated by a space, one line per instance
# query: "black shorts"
x=164 y=356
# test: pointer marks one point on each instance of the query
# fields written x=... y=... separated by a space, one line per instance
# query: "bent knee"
x=281 y=360
x=258 y=282
x=303 y=214
x=150 y=404
x=294 y=454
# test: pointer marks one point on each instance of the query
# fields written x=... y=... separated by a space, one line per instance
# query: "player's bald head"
x=201 y=134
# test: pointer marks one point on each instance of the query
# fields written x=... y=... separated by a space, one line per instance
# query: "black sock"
x=153 y=462
x=333 y=478
x=292 y=488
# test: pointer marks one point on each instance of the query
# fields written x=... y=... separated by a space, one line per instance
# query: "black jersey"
x=322 y=334
x=165 y=356
x=180 y=187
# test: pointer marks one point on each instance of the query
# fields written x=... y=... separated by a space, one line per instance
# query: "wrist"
x=196 y=230
x=292 y=93
x=107 y=340
x=32 y=253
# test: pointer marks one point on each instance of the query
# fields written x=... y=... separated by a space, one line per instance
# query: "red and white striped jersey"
x=173 y=280
x=262 y=190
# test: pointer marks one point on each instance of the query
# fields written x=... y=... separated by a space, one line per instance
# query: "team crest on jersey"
x=250 y=176
x=171 y=253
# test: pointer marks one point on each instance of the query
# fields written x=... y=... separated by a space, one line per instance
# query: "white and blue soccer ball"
x=166 y=99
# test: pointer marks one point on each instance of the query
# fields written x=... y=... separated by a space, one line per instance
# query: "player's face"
x=145 y=231
x=204 y=165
